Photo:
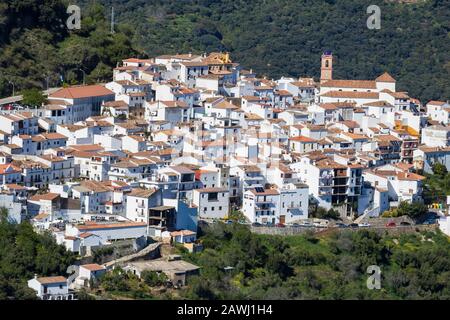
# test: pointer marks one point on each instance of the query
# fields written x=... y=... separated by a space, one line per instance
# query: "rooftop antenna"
x=112 y=20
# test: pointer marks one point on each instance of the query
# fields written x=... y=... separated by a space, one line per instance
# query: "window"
x=212 y=196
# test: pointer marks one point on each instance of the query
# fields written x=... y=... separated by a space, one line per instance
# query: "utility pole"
x=112 y=20
x=84 y=75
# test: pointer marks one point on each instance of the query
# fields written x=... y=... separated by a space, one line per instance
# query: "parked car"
x=340 y=225
x=229 y=222
x=306 y=224
x=256 y=224
x=353 y=225
x=280 y=225
x=405 y=223
x=295 y=224
x=391 y=224
x=365 y=224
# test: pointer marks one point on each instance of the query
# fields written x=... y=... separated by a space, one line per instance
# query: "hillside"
x=36 y=47
x=330 y=267
x=286 y=37
x=275 y=38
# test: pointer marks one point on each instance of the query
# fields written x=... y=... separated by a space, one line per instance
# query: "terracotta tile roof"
x=94 y=226
x=385 y=77
x=54 y=135
x=436 y=103
x=380 y=103
x=14 y=186
x=116 y=104
x=93 y=267
x=141 y=193
x=396 y=95
x=410 y=176
x=8 y=168
x=181 y=169
x=194 y=64
x=47 y=196
x=355 y=136
x=81 y=92
x=351 y=94
x=225 y=105
x=85 y=235
x=329 y=164
x=362 y=84
x=182 y=232
x=266 y=192
x=303 y=139
x=50 y=280
x=41 y=216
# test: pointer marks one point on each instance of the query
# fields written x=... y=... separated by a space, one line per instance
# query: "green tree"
x=439 y=169
x=33 y=97
x=154 y=279
x=413 y=210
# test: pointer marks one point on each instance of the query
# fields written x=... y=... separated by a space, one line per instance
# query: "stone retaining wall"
x=289 y=231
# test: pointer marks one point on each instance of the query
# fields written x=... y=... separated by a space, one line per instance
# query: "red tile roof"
x=93 y=267
x=82 y=92
x=385 y=77
x=49 y=280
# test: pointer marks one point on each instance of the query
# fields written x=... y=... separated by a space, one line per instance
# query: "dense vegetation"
x=287 y=37
x=413 y=266
x=437 y=185
x=24 y=253
x=275 y=38
x=415 y=210
x=37 y=49
x=237 y=264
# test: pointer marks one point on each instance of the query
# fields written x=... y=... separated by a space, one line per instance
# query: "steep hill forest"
x=239 y=265
x=24 y=253
x=274 y=37
x=37 y=49
x=334 y=266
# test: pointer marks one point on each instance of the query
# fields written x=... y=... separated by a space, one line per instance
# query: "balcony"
x=340 y=191
x=340 y=181
x=324 y=192
x=262 y=201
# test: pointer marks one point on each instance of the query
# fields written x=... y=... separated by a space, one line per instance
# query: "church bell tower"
x=326 y=70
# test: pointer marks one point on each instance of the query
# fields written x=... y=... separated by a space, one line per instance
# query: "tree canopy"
x=24 y=253
x=287 y=37
x=413 y=266
x=275 y=38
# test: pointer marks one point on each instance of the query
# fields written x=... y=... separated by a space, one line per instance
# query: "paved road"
x=15 y=99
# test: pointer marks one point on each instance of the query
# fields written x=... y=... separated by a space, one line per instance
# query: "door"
x=283 y=219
